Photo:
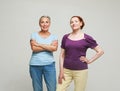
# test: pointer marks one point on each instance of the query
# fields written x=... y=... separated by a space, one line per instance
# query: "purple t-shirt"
x=74 y=49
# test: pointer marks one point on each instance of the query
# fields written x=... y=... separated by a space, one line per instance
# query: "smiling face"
x=76 y=23
x=44 y=23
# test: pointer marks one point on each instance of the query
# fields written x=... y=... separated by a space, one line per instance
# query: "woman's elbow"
x=34 y=49
x=101 y=52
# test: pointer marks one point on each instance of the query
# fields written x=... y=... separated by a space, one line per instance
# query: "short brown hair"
x=80 y=19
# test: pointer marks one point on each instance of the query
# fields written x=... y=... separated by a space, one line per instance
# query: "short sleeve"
x=55 y=37
x=63 y=41
x=33 y=35
x=91 y=42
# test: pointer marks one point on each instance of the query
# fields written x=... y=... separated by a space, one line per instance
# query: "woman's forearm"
x=37 y=49
x=48 y=47
x=99 y=53
x=61 y=60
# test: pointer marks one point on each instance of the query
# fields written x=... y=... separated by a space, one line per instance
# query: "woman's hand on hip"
x=84 y=59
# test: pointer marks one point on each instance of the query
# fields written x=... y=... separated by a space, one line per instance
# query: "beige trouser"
x=78 y=76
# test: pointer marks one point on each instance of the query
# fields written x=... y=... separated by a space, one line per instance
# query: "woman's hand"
x=84 y=59
x=99 y=53
x=61 y=77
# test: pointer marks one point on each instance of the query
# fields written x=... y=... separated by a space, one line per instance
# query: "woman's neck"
x=44 y=34
x=77 y=32
x=76 y=35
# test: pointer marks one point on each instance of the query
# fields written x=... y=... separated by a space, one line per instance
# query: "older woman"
x=42 y=63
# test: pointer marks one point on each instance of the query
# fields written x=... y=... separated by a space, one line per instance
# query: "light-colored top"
x=43 y=57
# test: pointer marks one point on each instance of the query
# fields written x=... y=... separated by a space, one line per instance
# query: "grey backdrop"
x=19 y=18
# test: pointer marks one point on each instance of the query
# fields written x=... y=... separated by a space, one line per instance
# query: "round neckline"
x=43 y=37
x=78 y=39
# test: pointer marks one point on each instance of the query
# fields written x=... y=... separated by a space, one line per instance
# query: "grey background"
x=19 y=18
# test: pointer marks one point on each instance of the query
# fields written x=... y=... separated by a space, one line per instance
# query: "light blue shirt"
x=43 y=57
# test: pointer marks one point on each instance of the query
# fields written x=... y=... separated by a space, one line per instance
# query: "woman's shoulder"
x=53 y=36
x=66 y=35
x=87 y=36
x=34 y=33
